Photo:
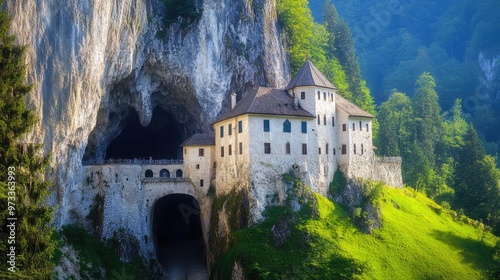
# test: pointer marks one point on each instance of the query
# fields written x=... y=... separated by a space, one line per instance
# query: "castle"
x=307 y=127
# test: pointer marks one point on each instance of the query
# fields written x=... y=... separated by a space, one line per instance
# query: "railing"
x=164 y=179
x=134 y=161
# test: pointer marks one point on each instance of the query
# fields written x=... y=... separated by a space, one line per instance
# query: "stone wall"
x=127 y=200
x=388 y=170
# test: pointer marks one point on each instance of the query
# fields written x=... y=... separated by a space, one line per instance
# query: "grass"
x=418 y=240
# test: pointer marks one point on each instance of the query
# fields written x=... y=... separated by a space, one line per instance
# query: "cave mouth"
x=161 y=139
x=178 y=236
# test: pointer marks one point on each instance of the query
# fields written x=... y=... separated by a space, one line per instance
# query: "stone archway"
x=178 y=238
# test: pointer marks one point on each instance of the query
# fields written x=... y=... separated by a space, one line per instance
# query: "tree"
x=428 y=121
x=395 y=115
x=33 y=245
x=296 y=18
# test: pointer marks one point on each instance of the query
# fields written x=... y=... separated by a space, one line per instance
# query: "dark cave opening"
x=178 y=236
x=161 y=139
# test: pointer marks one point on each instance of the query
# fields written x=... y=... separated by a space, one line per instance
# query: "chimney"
x=296 y=103
x=233 y=100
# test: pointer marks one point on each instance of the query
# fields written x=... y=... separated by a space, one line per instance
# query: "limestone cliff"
x=92 y=63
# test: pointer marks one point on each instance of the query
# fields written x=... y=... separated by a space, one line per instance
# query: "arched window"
x=178 y=173
x=287 y=126
x=149 y=173
x=287 y=148
x=164 y=173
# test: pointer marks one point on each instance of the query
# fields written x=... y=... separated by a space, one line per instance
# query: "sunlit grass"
x=418 y=240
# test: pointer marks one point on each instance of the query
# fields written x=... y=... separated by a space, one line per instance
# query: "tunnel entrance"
x=178 y=237
x=161 y=139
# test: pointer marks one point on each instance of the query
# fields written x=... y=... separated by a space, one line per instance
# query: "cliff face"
x=93 y=63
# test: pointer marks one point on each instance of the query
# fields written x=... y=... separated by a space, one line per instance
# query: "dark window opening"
x=230 y=150
x=353 y=127
x=178 y=173
x=326 y=149
x=304 y=127
x=221 y=151
x=287 y=148
x=319 y=119
x=303 y=95
x=221 y=132
x=354 y=148
x=344 y=127
x=304 y=148
x=240 y=126
x=319 y=95
x=148 y=173
x=267 y=148
x=333 y=121
x=240 y=147
x=344 y=149
x=201 y=183
x=164 y=173
x=324 y=119
x=201 y=152
x=230 y=129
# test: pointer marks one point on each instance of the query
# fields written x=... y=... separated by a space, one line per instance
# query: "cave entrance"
x=161 y=139
x=178 y=237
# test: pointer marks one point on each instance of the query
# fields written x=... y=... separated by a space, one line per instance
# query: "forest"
x=422 y=73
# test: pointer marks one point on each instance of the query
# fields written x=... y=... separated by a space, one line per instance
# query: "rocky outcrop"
x=94 y=63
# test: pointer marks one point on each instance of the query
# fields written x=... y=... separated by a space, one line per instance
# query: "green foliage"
x=100 y=261
x=338 y=183
x=296 y=19
x=34 y=246
x=415 y=243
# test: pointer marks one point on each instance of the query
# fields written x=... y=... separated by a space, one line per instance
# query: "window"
x=197 y=166
x=201 y=183
x=287 y=148
x=333 y=121
x=230 y=150
x=353 y=127
x=344 y=127
x=287 y=126
x=267 y=148
x=240 y=126
x=230 y=129
x=319 y=95
x=185 y=151
x=354 y=149
x=324 y=119
x=221 y=131
x=201 y=152
x=304 y=148
x=344 y=149
x=324 y=95
x=221 y=151
x=326 y=149
x=319 y=151
x=303 y=95
x=319 y=119
x=334 y=151
x=178 y=173
x=362 y=149
x=149 y=173
x=164 y=173
x=360 y=128
x=266 y=126
x=240 y=148
x=304 y=127
x=366 y=127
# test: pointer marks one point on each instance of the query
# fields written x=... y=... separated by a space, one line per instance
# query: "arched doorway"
x=178 y=237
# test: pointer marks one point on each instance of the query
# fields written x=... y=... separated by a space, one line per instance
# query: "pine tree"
x=476 y=179
x=428 y=121
x=33 y=230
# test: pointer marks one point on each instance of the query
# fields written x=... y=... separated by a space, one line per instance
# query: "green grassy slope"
x=418 y=240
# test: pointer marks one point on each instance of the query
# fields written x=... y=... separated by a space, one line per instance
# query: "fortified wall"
x=119 y=195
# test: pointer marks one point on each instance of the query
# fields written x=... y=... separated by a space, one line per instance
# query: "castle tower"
x=317 y=96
